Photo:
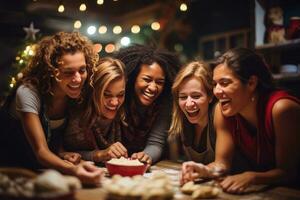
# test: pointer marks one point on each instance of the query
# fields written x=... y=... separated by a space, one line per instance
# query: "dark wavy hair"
x=41 y=70
x=245 y=63
x=135 y=56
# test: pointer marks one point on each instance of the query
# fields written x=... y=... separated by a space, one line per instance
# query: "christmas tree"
x=27 y=50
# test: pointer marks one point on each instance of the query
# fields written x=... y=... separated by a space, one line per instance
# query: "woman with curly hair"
x=94 y=130
x=150 y=74
x=35 y=114
x=193 y=113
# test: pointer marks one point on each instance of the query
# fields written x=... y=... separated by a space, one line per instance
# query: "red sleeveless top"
x=258 y=146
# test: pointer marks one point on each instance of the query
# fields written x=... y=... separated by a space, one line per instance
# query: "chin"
x=228 y=113
x=145 y=102
x=72 y=96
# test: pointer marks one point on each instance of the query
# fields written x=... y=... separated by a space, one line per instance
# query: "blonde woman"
x=192 y=117
x=94 y=130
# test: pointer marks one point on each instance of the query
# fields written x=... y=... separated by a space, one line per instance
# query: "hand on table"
x=237 y=183
x=191 y=170
x=88 y=173
x=143 y=157
x=116 y=150
x=72 y=157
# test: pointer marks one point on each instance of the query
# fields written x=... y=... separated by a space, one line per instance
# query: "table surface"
x=172 y=170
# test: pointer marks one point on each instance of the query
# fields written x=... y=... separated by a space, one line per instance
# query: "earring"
x=252 y=99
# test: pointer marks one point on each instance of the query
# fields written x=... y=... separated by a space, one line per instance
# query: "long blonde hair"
x=195 y=69
x=107 y=70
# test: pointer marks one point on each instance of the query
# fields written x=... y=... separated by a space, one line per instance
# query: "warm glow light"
x=135 y=29
x=97 y=47
x=183 y=7
x=117 y=29
x=91 y=30
x=61 y=8
x=102 y=29
x=125 y=41
x=31 y=52
x=110 y=48
x=155 y=26
x=100 y=2
x=82 y=7
x=77 y=24
x=178 y=47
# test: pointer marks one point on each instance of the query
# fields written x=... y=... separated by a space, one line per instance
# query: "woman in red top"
x=254 y=120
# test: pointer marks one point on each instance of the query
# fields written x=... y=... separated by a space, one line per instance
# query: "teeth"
x=224 y=100
x=192 y=112
x=74 y=86
x=112 y=109
x=150 y=95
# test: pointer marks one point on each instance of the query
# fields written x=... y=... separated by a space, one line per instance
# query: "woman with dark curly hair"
x=150 y=74
x=35 y=114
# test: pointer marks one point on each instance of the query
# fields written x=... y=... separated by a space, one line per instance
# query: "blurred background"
x=194 y=29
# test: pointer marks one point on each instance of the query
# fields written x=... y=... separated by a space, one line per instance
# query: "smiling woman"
x=253 y=120
x=147 y=105
x=35 y=114
x=193 y=112
x=94 y=128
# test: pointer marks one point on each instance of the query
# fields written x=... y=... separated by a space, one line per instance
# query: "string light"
x=110 y=48
x=183 y=7
x=155 y=26
x=100 y=2
x=117 y=29
x=102 y=29
x=135 y=29
x=61 y=8
x=77 y=24
x=82 y=7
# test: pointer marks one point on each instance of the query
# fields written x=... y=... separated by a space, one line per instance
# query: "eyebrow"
x=147 y=76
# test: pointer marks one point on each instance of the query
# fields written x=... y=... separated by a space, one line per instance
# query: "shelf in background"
x=287 y=77
x=279 y=45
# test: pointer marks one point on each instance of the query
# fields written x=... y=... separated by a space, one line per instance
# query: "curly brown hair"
x=40 y=71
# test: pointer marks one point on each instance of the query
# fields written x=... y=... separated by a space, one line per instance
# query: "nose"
x=114 y=101
x=218 y=90
x=77 y=77
x=189 y=102
x=152 y=86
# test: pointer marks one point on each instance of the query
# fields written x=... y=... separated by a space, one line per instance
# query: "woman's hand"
x=237 y=183
x=116 y=150
x=192 y=170
x=88 y=173
x=143 y=157
x=72 y=157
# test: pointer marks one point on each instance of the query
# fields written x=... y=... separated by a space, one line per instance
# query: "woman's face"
x=234 y=97
x=149 y=83
x=193 y=100
x=113 y=98
x=71 y=75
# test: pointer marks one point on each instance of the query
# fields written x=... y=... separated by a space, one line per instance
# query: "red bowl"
x=125 y=170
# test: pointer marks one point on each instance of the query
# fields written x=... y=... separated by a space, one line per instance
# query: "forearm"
x=95 y=155
x=274 y=176
x=48 y=159
x=154 y=151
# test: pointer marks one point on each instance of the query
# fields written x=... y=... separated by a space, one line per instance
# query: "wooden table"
x=172 y=169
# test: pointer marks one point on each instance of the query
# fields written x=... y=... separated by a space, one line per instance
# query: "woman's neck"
x=57 y=105
x=249 y=112
x=199 y=127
